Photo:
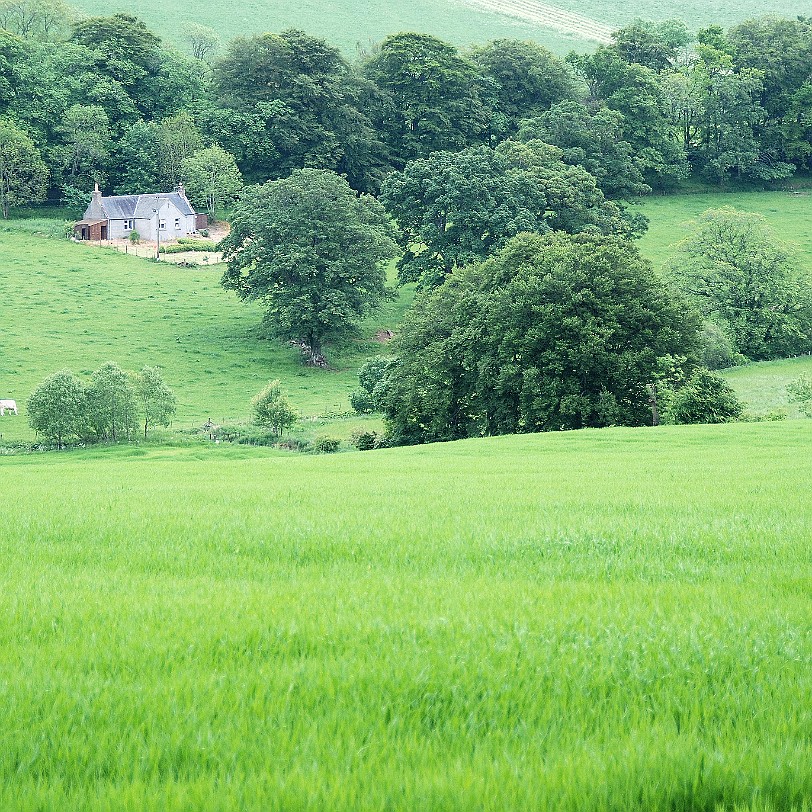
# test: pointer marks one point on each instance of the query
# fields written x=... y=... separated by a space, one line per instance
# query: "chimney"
x=182 y=190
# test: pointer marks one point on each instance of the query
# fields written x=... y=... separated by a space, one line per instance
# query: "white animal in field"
x=8 y=406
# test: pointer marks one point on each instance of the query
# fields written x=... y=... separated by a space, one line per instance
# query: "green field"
x=344 y=23
x=77 y=306
x=788 y=213
x=595 y=620
x=695 y=13
x=349 y=22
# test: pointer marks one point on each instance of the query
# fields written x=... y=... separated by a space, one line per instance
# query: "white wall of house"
x=173 y=224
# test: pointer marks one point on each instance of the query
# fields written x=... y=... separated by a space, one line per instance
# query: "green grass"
x=763 y=386
x=75 y=306
x=695 y=13
x=344 y=23
x=596 y=620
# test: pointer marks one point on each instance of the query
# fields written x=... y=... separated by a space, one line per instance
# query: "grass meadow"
x=346 y=23
x=77 y=306
x=596 y=620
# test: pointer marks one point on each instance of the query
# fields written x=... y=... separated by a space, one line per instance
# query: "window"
x=129 y=225
x=162 y=225
x=177 y=223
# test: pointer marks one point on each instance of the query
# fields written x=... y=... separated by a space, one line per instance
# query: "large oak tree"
x=313 y=252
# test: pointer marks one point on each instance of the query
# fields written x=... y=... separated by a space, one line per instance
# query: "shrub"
x=326 y=445
x=800 y=392
x=705 y=398
x=364 y=440
x=272 y=409
x=135 y=237
x=373 y=378
x=191 y=245
x=716 y=349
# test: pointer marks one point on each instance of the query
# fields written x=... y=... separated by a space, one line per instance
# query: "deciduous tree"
x=156 y=400
x=272 y=409
x=212 y=178
x=313 y=252
x=23 y=174
x=740 y=277
x=111 y=404
x=57 y=408
x=552 y=332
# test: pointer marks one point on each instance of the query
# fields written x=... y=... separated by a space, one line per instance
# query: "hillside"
x=77 y=306
x=347 y=23
x=614 y=619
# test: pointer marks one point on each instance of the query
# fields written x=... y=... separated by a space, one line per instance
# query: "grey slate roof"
x=134 y=207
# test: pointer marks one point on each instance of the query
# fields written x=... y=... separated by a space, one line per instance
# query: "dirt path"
x=553 y=17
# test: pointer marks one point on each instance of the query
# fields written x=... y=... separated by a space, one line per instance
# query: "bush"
x=134 y=237
x=364 y=440
x=716 y=349
x=326 y=445
x=272 y=409
x=705 y=398
x=191 y=245
x=373 y=378
x=800 y=392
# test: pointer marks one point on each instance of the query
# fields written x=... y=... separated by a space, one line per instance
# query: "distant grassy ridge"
x=596 y=620
x=344 y=23
x=348 y=22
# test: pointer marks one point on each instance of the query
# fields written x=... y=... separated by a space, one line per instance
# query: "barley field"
x=595 y=620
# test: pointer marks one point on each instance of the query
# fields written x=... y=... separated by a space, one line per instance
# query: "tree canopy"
x=740 y=278
x=313 y=252
x=456 y=207
x=552 y=332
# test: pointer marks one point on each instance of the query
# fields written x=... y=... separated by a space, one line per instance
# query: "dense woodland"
x=102 y=100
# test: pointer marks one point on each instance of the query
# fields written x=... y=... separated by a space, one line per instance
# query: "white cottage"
x=116 y=217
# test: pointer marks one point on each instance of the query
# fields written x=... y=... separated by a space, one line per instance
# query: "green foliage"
x=35 y=19
x=23 y=175
x=364 y=440
x=555 y=332
x=273 y=410
x=800 y=391
x=288 y=101
x=156 y=400
x=705 y=398
x=716 y=349
x=373 y=380
x=112 y=408
x=182 y=246
x=312 y=252
x=527 y=80
x=592 y=139
x=122 y=45
x=435 y=103
x=455 y=208
x=740 y=277
x=212 y=178
x=134 y=237
x=326 y=445
x=57 y=408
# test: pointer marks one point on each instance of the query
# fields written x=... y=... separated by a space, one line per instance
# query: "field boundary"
x=550 y=16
